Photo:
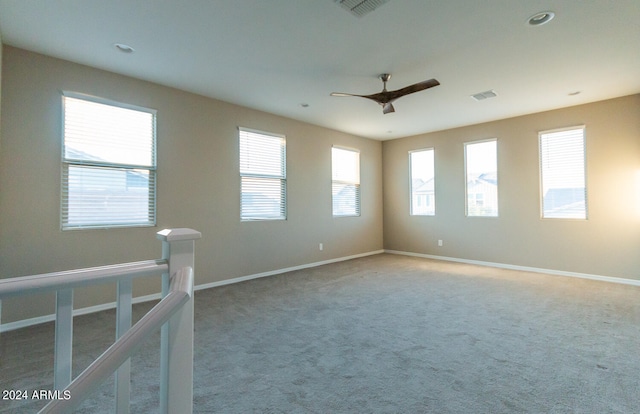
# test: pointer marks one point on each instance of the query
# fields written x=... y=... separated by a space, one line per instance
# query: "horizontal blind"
x=345 y=187
x=562 y=170
x=109 y=134
x=262 y=175
x=109 y=165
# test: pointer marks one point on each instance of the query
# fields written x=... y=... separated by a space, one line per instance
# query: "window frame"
x=356 y=184
x=466 y=181
x=411 y=180
x=282 y=178
x=67 y=163
x=584 y=172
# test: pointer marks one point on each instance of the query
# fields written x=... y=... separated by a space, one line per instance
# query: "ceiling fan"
x=385 y=98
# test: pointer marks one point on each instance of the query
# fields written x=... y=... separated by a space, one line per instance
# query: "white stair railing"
x=174 y=313
x=180 y=292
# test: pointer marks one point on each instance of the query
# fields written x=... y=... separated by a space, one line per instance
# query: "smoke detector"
x=124 y=48
x=360 y=7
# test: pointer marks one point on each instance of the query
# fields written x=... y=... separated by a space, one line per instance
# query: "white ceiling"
x=274 y=55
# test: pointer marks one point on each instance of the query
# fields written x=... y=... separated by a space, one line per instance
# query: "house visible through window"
x=345 y=185
x=263 y=175
x=109 y=164
x=562 y=173
x=422 y=182
x=481 y=168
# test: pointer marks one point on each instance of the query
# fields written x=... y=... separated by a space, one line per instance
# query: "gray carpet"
x=381 y=334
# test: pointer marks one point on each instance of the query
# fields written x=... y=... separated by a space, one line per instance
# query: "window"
x=481 y=167
x=345 y=185
x=263 y=176
x=562 y=173
x=108 y=164
x=423 y=197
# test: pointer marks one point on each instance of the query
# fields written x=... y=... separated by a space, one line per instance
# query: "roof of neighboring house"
x=423 y=187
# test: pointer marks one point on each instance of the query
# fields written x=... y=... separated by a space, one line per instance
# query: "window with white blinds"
x=108 y=164
x=345 y=185
x=562 y=173
x=263 y=175
x=423 y=196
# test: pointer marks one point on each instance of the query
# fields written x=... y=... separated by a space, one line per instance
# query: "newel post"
x=176 y=343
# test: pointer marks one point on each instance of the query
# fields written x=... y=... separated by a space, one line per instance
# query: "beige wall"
x=198 y=184
x=1 y=48
x=198 y=187
x=606 y=244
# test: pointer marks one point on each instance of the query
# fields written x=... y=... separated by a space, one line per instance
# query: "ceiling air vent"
x=360 y=7
x=484 y=95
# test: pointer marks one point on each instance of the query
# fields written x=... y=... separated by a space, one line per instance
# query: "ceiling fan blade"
x=385 y=98
x=343 y=94
x=416 y=87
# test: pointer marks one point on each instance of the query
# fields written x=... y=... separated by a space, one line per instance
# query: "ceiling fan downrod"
x=385 y=78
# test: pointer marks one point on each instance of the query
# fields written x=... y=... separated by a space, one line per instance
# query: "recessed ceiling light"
x=124 y=48
x=541 y=18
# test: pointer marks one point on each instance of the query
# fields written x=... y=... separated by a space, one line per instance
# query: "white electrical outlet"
x=320 y=246
x=440 y=243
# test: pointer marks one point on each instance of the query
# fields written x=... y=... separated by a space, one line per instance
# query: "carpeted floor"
x=380 y=334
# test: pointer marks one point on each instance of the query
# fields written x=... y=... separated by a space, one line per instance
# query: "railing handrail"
x=180 y=292
x=46 y=282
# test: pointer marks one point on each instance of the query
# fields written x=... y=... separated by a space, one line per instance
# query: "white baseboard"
x=287 y=269
x=140 y=299
x=624 y=281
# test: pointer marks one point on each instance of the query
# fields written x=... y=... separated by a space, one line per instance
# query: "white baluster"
x=63 y=340
x=123 y=323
